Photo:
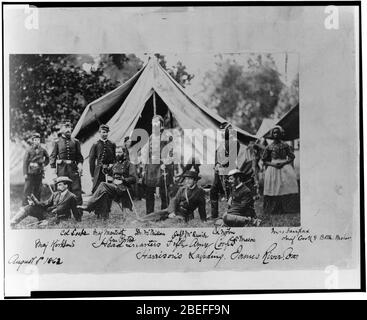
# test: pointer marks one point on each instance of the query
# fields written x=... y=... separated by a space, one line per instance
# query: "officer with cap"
x=59 y=206
x=102 y=156
x=67 y=160
x=241 y=210
x=35 y=159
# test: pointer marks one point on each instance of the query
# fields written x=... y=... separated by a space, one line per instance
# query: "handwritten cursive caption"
x=213 y=246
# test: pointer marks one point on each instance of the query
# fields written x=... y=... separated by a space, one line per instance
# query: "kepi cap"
x=191 y=174
x=104 y=127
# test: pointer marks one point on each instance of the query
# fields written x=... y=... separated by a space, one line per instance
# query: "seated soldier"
x=123 y=176
x=193 y=165
x=59 y=205
x=241 y=210
x=188 y=198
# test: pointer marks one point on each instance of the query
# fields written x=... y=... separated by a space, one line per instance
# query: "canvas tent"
x=290 y=123
x=266 y=125
x=132 y=105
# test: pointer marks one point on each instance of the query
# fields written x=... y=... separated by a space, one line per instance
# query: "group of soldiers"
x=114 y=176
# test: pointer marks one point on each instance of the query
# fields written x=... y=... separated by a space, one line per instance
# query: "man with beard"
x=67 y=161
x=124 y=176
x=102 y=156
x=241 y=210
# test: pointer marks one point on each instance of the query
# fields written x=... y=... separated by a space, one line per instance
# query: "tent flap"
x=290 y=123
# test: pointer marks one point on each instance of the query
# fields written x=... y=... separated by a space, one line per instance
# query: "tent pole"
x=154 y=105
x=171 y=119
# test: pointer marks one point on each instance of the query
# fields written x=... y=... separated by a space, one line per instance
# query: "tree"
x=244 y=94
x=288 y=98
x=119 y=67
x=177 y=72
x=47 y=89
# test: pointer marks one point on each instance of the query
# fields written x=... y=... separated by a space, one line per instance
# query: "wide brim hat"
x=63 y=179
x=191 y=174
x=235 y=172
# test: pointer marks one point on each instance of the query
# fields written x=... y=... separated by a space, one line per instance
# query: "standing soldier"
x=225 y=159
x=67 y=160
x=102 y=156
x=125 y=147
x=158 y=172
x=35 y=159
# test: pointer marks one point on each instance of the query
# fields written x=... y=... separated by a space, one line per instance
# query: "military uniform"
x=65 y=157
x=35 y=159
x=101 y=156
x=241 y=207
x=220 y=183
x=139 y=187
x=155 y=176
x=187 y=200
x=100 y=202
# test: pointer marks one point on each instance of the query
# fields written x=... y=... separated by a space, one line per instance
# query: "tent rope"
x=154 y=105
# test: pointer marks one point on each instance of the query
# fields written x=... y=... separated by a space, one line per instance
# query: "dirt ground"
x=127 y=218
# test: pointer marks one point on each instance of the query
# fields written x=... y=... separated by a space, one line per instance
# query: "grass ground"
x=126 y=219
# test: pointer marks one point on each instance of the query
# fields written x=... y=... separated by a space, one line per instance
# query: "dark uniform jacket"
x=153 y=174
x=188 y=200
x=224 y=156
x=35 y=159
x=125 y=169
x=101 y=153
x=65 y=152
x=128 y=171
x=242 y=202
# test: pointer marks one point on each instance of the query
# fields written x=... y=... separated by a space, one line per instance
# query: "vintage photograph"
x=154 y=140
x=166 y=147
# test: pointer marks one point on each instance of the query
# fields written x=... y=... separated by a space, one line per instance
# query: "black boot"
x=215 y=209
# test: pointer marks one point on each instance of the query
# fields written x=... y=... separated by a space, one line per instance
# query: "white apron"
x=278 y=182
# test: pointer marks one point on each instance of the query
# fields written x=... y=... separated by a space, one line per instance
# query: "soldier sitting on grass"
x=188 y=198
x=241 y=210
x=59 y=206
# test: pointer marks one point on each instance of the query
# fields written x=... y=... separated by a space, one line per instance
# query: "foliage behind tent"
x=48 y=88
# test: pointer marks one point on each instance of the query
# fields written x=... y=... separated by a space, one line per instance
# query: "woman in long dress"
x=280 y=180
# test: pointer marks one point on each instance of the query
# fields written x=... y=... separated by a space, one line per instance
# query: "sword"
x=132 y=202
x=223 y=186
x=165 y=183
x=52 y=192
